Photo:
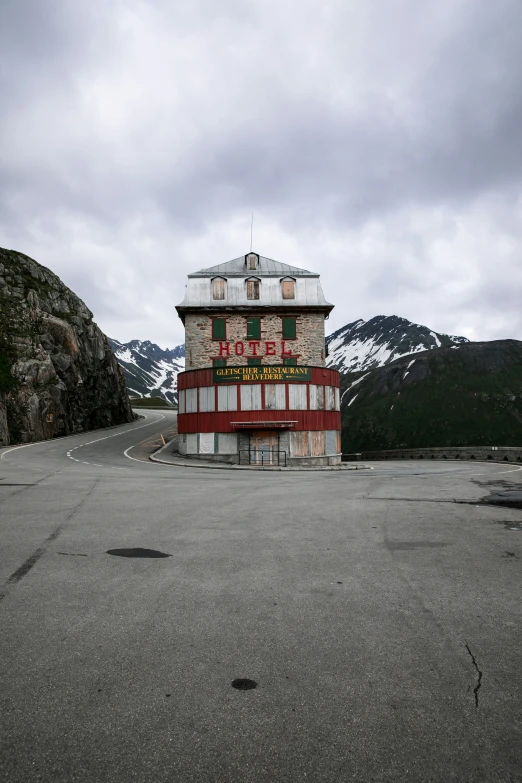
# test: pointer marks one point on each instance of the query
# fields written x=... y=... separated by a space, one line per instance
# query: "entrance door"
x=264 y=448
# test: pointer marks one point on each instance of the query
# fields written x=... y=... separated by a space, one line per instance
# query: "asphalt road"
x=380 y=619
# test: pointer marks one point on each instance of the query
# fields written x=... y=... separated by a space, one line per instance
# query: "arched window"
x=252 y=285
x=288 y=288
x=218 y=288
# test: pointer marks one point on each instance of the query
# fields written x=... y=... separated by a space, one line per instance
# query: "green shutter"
x=290 y=362
x=254 y=328
x=253 y=362
x=219 y=330
x=289 y=328
x=219 y=362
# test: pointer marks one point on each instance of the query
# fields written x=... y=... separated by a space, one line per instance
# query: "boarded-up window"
x=297 y=396
x=251 y=261
x=252 y=289
x=218 y=288
x=331 y=442
x=191 y=401
x=181 y=401
x=251 y=397
x=275 y=397
x=299 y=444
x=227 y=443
x=288 y=287
x=207 y=398
x=206 y=442
x=227 y=398
x=329 y=398
x=316 y=397
x=192 y=443
x=318 y=443
x=337 y=399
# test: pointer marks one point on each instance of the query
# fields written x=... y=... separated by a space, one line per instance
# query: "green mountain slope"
x=455 y=396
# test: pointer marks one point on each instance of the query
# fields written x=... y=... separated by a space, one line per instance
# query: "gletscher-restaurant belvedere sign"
x=261 y=373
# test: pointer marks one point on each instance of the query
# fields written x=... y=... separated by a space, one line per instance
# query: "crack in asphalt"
x=479 y=680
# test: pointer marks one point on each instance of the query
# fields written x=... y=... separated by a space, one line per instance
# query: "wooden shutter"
x=219 y=329
x=254 y=328
x=288 y=326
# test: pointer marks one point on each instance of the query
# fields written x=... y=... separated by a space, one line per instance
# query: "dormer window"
x=252 y=285
x=288 y=288
x=218 y=288
x=252 y=261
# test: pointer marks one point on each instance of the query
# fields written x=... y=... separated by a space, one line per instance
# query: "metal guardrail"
x=262 y=457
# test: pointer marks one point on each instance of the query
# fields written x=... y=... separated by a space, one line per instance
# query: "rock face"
x=364 y=345
x=463 y=395
x=58 y=375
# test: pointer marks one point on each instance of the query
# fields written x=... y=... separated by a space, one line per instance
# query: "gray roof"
x=267 y=266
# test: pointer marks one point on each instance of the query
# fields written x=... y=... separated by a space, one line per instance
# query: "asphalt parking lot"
x=376 y=613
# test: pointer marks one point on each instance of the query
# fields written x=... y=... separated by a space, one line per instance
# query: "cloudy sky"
x=378 y=142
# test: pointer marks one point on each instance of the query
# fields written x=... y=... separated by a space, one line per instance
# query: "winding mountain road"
x=380 y=619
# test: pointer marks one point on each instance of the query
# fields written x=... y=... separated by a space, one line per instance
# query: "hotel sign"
x=261 y=373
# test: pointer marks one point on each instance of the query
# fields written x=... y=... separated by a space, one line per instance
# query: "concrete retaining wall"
x=494 y=453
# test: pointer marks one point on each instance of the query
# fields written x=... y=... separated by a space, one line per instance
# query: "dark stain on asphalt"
x=72 y=554
x=31 y=561
x=244 y=684
x=137 y=552
x=510 y=554
x=400 y=546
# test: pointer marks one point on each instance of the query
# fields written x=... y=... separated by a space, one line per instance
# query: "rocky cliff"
x=58 y=374
x=465 y=395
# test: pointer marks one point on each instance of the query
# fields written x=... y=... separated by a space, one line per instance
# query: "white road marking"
x=106 y=437
x=89 y=443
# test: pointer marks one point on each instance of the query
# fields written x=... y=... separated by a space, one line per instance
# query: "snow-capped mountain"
x=363 y=345
x=149 y=370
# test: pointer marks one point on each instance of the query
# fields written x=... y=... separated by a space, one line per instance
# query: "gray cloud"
x=375 y=142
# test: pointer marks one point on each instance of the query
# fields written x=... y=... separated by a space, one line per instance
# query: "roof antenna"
x=251 y=229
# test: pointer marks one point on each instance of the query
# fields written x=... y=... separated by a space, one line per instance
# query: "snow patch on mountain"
x=364 y=345
x=149 y=370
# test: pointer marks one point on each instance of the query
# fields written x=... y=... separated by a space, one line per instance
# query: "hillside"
x=364 y=345
x=58 y=374
x=470 y=394
x=149 y=370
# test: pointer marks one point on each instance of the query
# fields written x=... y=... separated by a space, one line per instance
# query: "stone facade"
x=270 y=348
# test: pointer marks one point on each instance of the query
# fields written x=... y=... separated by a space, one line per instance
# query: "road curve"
x=377 y=611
